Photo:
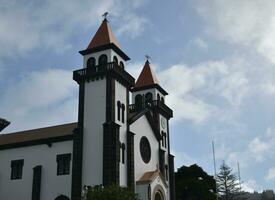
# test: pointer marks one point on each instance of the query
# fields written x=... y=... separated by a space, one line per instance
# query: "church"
x=121 y=135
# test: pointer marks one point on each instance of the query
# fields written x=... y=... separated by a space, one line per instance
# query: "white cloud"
x=199 y=42
x=26 y=26
x=258 y=150
x=270 y=174
x=250 y=186
x=40 y=99
x=250 y=23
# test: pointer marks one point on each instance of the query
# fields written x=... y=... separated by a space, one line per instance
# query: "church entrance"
x=158 y=196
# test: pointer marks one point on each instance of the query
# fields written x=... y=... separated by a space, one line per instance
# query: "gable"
x=147 y=116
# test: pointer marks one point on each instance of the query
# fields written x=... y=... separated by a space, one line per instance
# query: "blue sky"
x=216 y=58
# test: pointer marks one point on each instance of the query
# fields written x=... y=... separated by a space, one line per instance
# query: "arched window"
x=123 y=112
x=91 y=62
x=158 y=97
x=62 y=197
x=118 y=110
x=115 y=60
x=123 y=153
x=138 y=101
x=162 y=100
x=166 y=172
x=162 y=138
x=121 y=64
x=103 y=60
x=148 y=98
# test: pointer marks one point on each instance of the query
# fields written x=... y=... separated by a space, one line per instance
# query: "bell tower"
x=147 y=93
x=99 y=144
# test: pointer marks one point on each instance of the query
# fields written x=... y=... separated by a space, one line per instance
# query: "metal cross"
x=105 y=15
x=147 y=57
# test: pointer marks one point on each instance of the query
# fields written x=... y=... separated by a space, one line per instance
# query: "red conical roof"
x=147 y=76
x=103 y=36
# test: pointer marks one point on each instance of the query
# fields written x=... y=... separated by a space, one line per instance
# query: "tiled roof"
x=103 y=36
x=37 y=134
x=147 y=76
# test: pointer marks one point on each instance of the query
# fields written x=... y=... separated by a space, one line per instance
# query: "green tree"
x=227 y=183
x=112 y=192
x=192 y=183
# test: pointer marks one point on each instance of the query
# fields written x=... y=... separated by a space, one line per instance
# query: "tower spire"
x=147 y=76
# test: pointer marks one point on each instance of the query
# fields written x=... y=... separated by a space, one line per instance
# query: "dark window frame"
x=63 y=164
x=138 y=101
x=123 y=112
x=121 y=64
x=17 y=169
x=91 y=62
x=118 y=110
x=103 y=60
x=115 y=60
x=123 y=147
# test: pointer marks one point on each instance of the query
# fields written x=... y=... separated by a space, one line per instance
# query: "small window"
x=121 y=64
x=123 y=153
x=162 y=138
x=115 y=60
x=166 y=172
x=158 y=97
x=91 y=62
x=138 y=101
x=102 y=60
x=63 y=164
x=162 y=100
x=118 y=110
x=123 y=112
x=148 y=98
x=17 y=169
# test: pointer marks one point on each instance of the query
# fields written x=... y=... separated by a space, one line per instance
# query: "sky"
x=216 y=59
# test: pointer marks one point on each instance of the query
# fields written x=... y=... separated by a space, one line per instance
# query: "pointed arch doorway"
x=158 y=196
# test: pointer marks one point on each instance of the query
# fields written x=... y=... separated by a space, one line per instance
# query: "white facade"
x=94 y=117
x=51 y=184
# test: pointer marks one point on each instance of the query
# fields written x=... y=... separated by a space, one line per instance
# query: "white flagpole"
x=215 y=170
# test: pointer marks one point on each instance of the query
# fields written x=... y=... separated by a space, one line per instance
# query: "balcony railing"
x=102 y=70
x=153 y=104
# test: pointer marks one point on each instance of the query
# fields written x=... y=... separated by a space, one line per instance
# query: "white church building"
x=113 y=141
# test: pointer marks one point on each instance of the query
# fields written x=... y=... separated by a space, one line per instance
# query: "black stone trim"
x=162 y=162
x=104 y=47
x=3 y=124
x=110 y=99
x=150 y=119
x=111 y=153
x=36 y=142
x=78 y=148
x=130 y=160
x=171 y=177
x=149 y=87
x=100 y=71
x=36 y=182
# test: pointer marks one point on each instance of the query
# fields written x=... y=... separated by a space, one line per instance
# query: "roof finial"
x=147 y=57
x=105 y=16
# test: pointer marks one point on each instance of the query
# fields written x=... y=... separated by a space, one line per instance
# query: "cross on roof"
x=105 y=15
x=147 y=57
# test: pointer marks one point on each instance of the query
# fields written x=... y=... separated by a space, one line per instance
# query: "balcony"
x=156 y=104
x=100 y=71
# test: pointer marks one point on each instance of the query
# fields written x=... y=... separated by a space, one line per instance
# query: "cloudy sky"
x=216 y=58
